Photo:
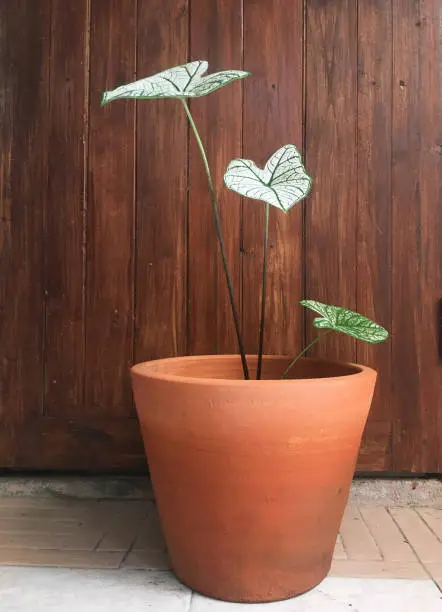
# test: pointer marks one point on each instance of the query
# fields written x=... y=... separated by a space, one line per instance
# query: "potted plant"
x=251 y=457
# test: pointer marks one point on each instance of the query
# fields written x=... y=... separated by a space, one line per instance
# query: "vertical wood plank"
x=417 y=248
x=374 y=208
x=273 y=105
x=161 y=184
x=109 y=272
x=24 y=53
x=331 y=154
x=215 y=35
x=64 y=239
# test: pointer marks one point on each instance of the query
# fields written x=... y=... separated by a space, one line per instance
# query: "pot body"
x=251 y=478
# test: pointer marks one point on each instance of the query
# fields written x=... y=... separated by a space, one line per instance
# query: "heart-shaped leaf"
x=186 y=81
x=282 y=183
x=346 y=321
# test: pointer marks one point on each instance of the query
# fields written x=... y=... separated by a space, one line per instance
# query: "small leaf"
x=282 y=183
x=186 y=81
x=346 y=321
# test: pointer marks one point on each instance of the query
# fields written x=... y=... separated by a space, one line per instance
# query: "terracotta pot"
x=251 y=478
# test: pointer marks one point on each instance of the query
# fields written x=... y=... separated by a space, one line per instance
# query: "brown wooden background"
x=108 y=253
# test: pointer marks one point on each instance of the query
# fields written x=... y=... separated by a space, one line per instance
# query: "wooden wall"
x=107 y=248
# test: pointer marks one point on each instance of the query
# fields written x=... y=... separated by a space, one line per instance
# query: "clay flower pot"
x=251 y=478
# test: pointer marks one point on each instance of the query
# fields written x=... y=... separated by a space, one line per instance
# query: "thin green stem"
x=263 y=295
x=220 y=240
x=307 y=348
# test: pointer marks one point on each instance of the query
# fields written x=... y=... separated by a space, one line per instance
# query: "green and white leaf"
x=282 y=183
x=186 y=81
x=347 y=322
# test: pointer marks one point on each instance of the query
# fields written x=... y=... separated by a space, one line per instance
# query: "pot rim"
x=147 y=369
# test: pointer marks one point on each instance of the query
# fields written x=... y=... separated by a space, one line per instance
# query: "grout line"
x=410 y=544
x=97 y=545
x=339 y=537
x=416 y=509
x=371 y=533
x=129 y=550
x=344 y=548
x=361 y=518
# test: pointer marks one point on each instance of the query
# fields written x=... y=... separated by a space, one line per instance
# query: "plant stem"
x=263 y=296
x=292 y=363
x=220 y=240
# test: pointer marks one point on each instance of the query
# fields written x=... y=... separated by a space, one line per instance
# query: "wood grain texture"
x=24 y=61
x=331 y=155
x=375 y=451
x=65 y=214
x=62 y=444
x=161 y=196
x=273 y=105
x=110 y=213
x=374 y=209
x=215 y=35
x=103 y=268
x=417 y=248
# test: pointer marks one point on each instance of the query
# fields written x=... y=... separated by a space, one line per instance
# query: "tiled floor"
x=388 y=548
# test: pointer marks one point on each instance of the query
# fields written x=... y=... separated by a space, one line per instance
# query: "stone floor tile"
x=83 y=540
x=435 y=571
x=98 y=534
x=377 y=569
x=117 y=507
x=61 y=558
x=72 y=510
x=53 y=514
x=339 y=595
x=63 y=590
x=39 y=502
x=107 y=513
x=30 y=524
x=44 y=508
x=433 y=518
x=150 y=535
x=388 y=537
x=119 y=537
x=339 y=552
x=147 y=559
x=356 y=537
x=122 y=529
x=425 y=544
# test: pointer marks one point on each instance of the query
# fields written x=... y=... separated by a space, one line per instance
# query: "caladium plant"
x=339 y=319
x=186 y=81
x=282 y=183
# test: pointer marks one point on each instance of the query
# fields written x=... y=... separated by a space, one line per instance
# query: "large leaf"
x=186 y=81
x=282 y=183
x=346 y=321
